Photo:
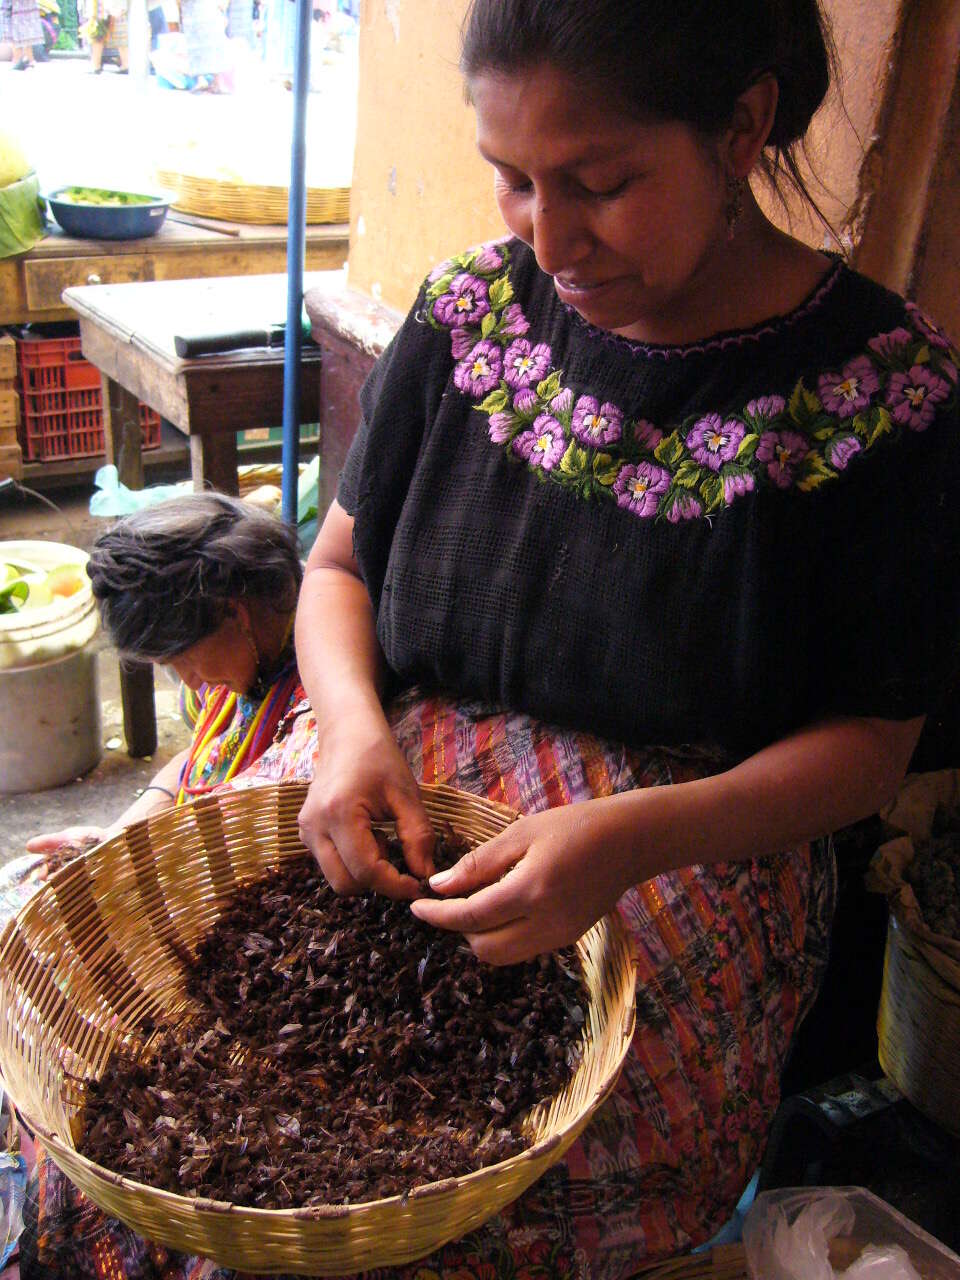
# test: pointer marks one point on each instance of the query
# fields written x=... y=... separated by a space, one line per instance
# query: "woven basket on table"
x=238 y=202
x=94 y=953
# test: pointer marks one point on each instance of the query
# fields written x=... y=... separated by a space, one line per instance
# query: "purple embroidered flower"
x=839 y=452
x=892 y=344
x=597 y=424
x=735 y=486
x=713 y=441
x=783 y=452
x=500 y=426
x=950 y=369
x=525 y=363
x=525 y=400
x=766 y=406
x=638 y=488
x=647 y=434
x=465 y=304
x=488 y=258
x=927 y=327
x=480 y=371
x=543 y=445
x=913 y=397
x=848 y=392
x=513 y=323
x=562 y=402
x=462 y=342
x=686 y=507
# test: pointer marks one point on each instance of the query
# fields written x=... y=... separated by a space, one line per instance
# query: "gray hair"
x=167 y=576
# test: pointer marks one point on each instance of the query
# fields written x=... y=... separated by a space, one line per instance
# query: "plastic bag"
x=115 y=499
x=787 y=1235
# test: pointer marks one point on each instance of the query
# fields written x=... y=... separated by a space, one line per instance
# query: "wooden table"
x=127 y=331
x=32 y=283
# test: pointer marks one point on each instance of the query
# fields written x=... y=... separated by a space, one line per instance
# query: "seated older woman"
x=206 y=585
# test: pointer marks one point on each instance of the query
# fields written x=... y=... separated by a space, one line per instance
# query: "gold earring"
x=248 y=636
x=736 y=190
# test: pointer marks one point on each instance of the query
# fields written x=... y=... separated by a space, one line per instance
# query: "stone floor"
x=109 y=788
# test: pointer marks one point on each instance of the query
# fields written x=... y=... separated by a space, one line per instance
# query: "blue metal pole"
x=296 y=236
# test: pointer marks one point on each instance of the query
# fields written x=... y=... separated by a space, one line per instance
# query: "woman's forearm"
x=159 y=794
x=340 y=661
x=818 y=780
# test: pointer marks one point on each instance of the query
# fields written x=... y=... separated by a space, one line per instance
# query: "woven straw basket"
x=238 y=202
x=918 y=1025
x=93 y=954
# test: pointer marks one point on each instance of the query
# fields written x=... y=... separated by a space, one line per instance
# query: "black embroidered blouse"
x=711 y=544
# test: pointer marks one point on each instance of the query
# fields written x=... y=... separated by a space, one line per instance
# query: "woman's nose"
x=560 y=237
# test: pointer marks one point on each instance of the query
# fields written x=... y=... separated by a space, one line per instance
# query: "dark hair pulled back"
x=686 y=60
x=167 y=576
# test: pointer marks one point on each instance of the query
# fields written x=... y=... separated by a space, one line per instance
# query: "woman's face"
x=226 y=656
x=627 y=217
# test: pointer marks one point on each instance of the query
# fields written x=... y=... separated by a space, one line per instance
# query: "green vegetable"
x=21 y=217
x=99 y=196
x=13 y=595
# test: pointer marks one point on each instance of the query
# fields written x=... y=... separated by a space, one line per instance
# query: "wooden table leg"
x=123 y=440
x=213 y=462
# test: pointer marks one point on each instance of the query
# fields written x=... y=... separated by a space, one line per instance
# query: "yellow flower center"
x=848 y=388
x=915 y=395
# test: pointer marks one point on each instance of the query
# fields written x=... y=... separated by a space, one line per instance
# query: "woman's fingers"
x=50 y=840
x=480 y=866
x=414 y=830
x=487 y=909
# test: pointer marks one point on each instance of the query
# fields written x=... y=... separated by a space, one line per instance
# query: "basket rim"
x=359 y=1208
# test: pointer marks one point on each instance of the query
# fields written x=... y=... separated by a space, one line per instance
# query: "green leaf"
x=14 y=591
x=881 y=425
x=748 y=445
x=606 y=468
x=670 y=450
x=688 y=474
x=441 y=286
x=814 y=472
x=803 y=405
x=501 y=292
x=488 y=324
x=549 y=387
x=923 y=355
x=494 y=402
x=574 y=462
x=712 y=491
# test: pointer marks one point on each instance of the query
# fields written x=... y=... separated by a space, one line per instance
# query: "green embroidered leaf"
x=803 y=404
x=549 y=387
x=494 y=402
x=881 y=425
x=574 y=461
x=488 y=324
x=670 y=450
x=688 y=474
x=861 y=424
x=605 y=469
x=825 y=432
x=440 y=286
x=814 y=472
x=712 y=491
x=748 y=445
x=501 y=292
x=923 y=355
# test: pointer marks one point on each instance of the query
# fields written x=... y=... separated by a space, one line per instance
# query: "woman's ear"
x=753 y=116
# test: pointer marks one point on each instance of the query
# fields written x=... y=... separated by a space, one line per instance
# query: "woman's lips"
x=579 y=291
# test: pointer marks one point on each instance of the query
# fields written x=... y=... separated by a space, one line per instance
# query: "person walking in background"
x=20 y=24
x=204 y=29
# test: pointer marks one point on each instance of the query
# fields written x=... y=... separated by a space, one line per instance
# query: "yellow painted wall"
x=420 y=190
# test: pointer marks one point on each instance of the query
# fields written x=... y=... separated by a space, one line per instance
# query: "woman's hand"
x=51 y=840
x=362 y=777
x=537 y=886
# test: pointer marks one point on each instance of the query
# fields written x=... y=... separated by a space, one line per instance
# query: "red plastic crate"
x=62 y=402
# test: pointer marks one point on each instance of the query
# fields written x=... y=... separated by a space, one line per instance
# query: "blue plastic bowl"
x=106 y=221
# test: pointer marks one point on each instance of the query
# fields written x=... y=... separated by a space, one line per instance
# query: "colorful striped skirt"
x=730 y=959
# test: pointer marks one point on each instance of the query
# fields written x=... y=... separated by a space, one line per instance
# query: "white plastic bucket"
x=50 y=717
x=37 y=635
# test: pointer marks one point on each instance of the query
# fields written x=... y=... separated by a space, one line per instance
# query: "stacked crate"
x=11 y=459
